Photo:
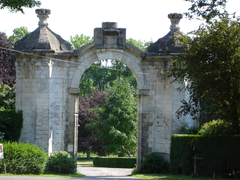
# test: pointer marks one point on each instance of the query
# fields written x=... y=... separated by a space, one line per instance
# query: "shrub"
x=11 y=124
x=153 y=163
x=185 y=129
x=1 y=136
x=216 y=127
x=119 y=162
x=23 y=158
x=62 y=162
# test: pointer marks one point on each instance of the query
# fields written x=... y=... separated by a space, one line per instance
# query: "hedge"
x=11 y=123
x=219 y=154
x=120 y=162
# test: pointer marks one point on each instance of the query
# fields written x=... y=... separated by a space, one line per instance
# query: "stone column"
x=143 y=123
x=72 y=137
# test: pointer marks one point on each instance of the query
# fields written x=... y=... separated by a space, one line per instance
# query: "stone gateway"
x=47 y=87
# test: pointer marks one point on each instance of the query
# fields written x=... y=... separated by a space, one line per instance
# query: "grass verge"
x=45 y=175
x=172 y=177
x=85 y=162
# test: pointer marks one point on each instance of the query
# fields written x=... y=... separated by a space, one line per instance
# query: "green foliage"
x=181 y=153
x=1 y=136
x=123 y=162
x=7 y=97
x=11 y=123
x=206 y=9
x=62 y=162
x=219 y=154
x=216 y=127
x=185 y=129
x=79 y=41
x=19 y=33
x=152 y=163
x=117 y=120
x=210 y=63
x=142 y=45
x=102 y=74
x=15 y=6
x=23 y=158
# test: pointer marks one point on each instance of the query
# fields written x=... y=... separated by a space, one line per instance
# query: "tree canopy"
x=7 y=61
x=86 y=137
x=210 y=64
x=206 y=9
x=79 y=41
x=15 y=6
x=19 y=33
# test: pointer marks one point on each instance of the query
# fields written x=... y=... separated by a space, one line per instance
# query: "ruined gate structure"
x=48 y=73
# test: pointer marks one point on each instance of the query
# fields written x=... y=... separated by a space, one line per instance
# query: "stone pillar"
x=72 y=145
x=143 y=124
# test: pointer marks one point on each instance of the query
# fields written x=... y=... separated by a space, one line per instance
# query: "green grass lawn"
x=45 y=175
x=172 y=177
x=85 y=162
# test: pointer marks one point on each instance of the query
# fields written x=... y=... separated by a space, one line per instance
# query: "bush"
x=23 y=158
x=119 y=162
x=1 y=136
x=185 y=129
x=11 y=124
x=153 y=163
x=216 y=127
x=62 y=162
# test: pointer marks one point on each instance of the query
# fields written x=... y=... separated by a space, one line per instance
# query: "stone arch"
x=131 y=57
x=128 y=57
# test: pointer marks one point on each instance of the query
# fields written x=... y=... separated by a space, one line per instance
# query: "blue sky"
x=143 y=19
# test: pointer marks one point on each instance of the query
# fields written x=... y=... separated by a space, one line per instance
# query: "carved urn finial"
x=43 y=15
x=175 y=19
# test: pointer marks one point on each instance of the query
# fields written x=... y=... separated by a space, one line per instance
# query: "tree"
x=211 y=63
x=206 y=9
x=116 y=125
x=19 y=33
x=142 y=45
x=7 y=61
x=79 y=41
x=7 y=97
x=15 y=6
x=86 y=140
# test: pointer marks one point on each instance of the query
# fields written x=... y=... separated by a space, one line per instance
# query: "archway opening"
x=108 y=104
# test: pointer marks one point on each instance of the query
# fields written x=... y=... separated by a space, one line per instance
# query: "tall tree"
x=211 y=63
x=86 y=137
x=116 y=125
x=7 y=61
x=19 y=33
x=15 y=6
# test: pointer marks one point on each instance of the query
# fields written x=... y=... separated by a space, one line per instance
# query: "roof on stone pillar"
x=168 y=43
x=43 y=38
